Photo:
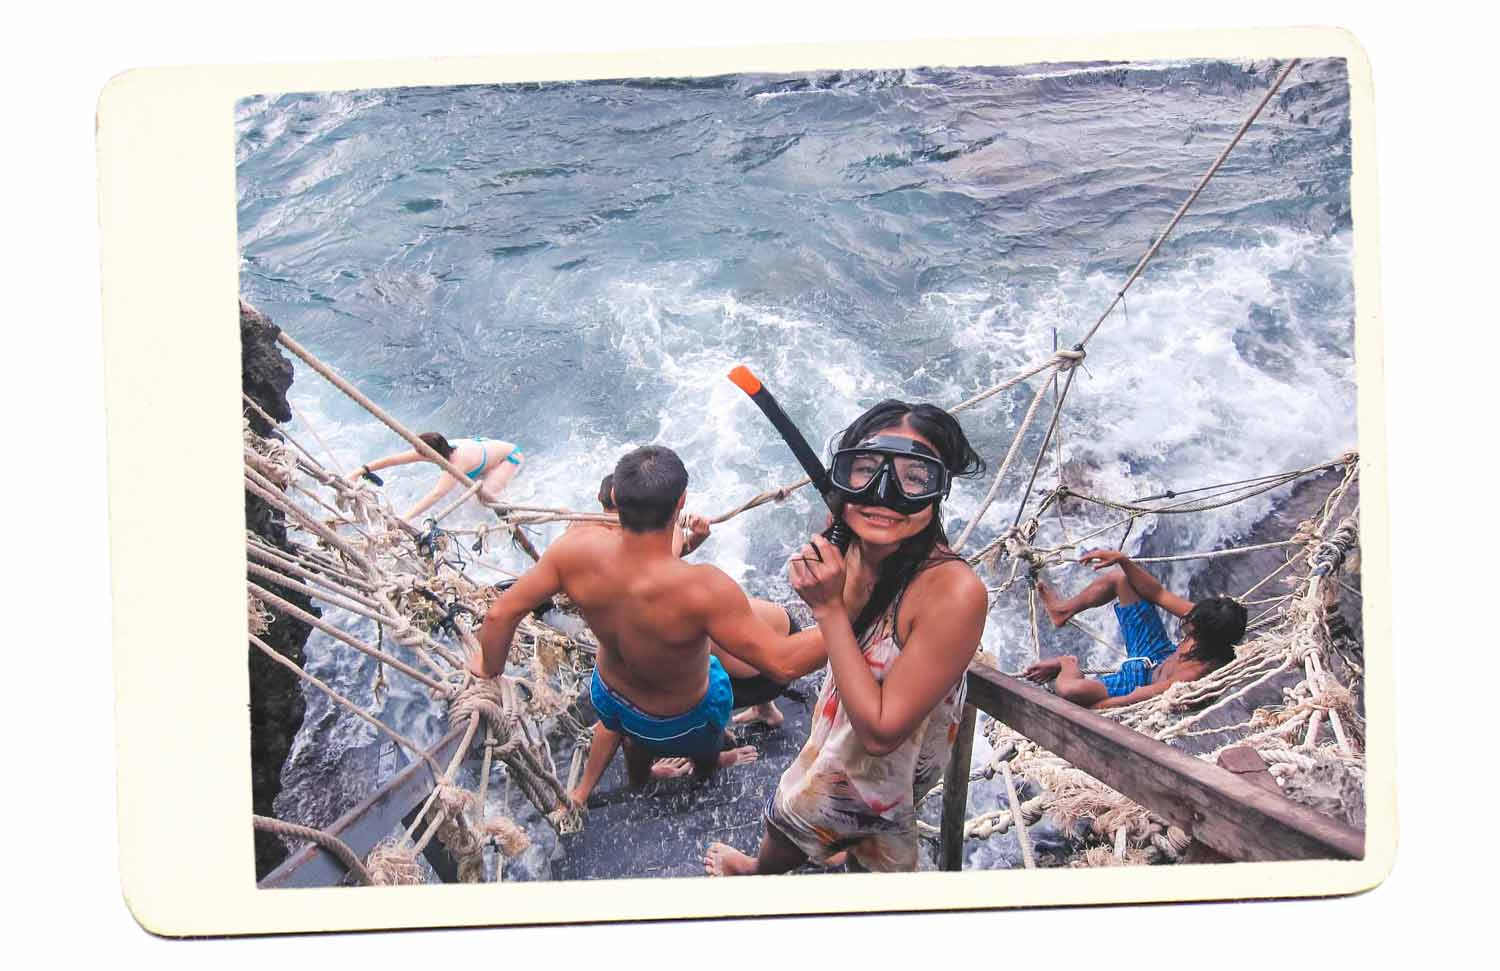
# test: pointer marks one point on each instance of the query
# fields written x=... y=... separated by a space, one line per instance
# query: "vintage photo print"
x=945 y=477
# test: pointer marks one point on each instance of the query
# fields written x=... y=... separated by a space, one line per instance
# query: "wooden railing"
x=366 y=824
x=1222 y=809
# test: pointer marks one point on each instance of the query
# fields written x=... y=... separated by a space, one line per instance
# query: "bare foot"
x=767 y=713
x=837 y=859
x=670 y=768
x=726 y=861
x=1049 y=603
x=1043 y=671
x=743 y=755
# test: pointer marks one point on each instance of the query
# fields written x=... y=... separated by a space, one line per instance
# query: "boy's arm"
x=733 y=626
x=507 y=611
x=1149 y=588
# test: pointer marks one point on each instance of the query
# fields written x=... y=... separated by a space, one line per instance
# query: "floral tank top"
x=836 y=796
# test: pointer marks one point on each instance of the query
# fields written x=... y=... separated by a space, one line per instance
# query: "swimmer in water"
x=490 y=462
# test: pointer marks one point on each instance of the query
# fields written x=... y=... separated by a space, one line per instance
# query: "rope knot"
x=453 y=800
x=482 y=698
x=408 y=635
x=1067 y=360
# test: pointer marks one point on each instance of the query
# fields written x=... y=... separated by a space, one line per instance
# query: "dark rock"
x=265 y=372
x=276 y=705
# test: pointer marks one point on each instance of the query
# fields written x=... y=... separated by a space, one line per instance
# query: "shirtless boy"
x=657 y=686
x=1210 y=627
x=755 y=693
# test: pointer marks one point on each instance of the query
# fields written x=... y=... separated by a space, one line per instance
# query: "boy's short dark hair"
x=606 y=496
x=647 y=484
x=1216 y=625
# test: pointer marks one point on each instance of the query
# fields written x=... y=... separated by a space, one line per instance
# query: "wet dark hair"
x=607 y=500
x=437 y=443
x=647 y=484
x=916 y=553
x=1216 y=625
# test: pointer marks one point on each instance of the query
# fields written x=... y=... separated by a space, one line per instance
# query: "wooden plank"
x=1228 y=813
x=956 y=794
x=366 y=824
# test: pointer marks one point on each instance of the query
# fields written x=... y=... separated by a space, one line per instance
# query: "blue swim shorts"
x=1146 y=646
x=696 y=733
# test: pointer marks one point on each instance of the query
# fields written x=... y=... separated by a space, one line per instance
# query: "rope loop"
x=1067 y=360
x=482 y=697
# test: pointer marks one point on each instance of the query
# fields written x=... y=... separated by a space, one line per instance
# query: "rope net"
x=413 y=583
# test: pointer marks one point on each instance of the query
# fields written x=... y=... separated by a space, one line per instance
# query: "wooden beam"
x=366 y=824
x=1216 y=807
x=956 y=794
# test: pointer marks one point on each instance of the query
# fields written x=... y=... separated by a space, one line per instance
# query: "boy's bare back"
x=646 y=612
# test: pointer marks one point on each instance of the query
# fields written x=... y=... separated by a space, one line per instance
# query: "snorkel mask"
x=892 y=472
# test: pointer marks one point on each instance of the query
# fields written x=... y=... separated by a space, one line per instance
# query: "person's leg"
x=601 y=751
x=1073 y=686
x=777 y=854
x=775 y=617
x=637 y=763
x=1109 y=587
x=497 y=478
x=704 y=766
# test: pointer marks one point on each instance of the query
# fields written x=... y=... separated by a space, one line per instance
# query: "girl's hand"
x=817 y=574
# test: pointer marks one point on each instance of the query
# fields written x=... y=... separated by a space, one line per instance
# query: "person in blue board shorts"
x=1210 y=629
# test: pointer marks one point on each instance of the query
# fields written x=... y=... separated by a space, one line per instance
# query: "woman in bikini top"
x=492 y=463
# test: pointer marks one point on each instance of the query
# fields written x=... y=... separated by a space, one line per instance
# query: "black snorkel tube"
x=839 y=533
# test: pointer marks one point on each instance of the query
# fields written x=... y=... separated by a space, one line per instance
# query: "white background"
x=1433 y=110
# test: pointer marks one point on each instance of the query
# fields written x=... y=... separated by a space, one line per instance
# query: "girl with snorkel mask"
x=901 y=617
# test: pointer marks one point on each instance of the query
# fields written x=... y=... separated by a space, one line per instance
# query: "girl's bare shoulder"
x=950 y=583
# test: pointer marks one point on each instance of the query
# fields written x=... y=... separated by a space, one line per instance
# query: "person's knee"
x=1082 y=691
x=1069 y=690
x=772 y=615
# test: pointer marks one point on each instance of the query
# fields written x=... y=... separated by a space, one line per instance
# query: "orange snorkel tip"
x=745 y=380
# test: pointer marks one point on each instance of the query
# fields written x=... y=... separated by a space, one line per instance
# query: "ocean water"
x=577 y=266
